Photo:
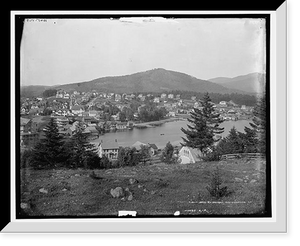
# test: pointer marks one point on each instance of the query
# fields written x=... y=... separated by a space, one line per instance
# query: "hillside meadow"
x=150 y=190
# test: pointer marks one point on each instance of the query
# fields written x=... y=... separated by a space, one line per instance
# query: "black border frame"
x=19 y=20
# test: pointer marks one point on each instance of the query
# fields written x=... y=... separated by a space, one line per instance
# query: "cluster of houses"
x=81 y=103
x=111 y=149
x=232 y=111
x=70 y=108
x=29 y=135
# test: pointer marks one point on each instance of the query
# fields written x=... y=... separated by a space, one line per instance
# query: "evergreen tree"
x=233 y=143
x=212 y=118
x=80 y=148
x=145 y=153
x=250 y=140
x=198 y=134
x=256 y=135
x=168 y=154
x=204 y=127
x=48 y=152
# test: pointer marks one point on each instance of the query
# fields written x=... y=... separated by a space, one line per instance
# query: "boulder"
x=117 y=192
x=43 y=190
x=253 y=181
x=132 y=181
x=24 y=205
x=128 y=194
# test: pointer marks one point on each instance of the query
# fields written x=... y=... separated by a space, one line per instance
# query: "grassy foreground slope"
x=157 y=189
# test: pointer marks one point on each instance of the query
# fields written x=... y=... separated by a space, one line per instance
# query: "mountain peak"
x=154 y=80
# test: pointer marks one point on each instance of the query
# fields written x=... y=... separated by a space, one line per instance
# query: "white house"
x=109 y=149
x=172 y=114
x=77 y=109
x=156 y=100
x=118 y=97
x=189 y=155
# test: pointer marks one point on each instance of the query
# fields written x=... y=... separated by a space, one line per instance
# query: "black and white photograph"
x=144 y=116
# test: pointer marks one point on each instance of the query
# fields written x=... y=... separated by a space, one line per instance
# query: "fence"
x=242 y=155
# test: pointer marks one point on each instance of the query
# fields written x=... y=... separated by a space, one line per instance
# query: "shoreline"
x=149 y=124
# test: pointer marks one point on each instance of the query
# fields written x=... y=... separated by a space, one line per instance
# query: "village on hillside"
x=109 y=112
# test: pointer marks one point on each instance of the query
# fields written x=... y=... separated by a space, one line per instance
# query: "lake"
x=160 y=135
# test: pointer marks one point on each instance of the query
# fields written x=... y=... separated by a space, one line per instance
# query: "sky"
x=62 y=51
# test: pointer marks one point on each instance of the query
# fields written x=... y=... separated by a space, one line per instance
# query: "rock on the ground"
x=132 y=181
x=238 y=180
x=253 y=181
x=128 y=194
x=43 y=190
x=24 y=205
x=117 y=192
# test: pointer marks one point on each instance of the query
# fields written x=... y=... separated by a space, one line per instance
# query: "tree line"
x=204 y=131
x=150 y=112
x=56 y=151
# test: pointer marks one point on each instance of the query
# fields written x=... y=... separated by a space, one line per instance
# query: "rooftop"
x=109 y=144
x=24 y=121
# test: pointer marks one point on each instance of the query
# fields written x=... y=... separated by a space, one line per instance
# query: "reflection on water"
x=160 y=135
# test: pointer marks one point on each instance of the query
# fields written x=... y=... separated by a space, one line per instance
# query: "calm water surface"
x=160 y=135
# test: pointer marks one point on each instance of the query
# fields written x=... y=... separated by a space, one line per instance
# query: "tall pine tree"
x=256 y=134
x=205 y=125
x=213 y=119
x=81 y=151
x=48 y=152
x=198 y=134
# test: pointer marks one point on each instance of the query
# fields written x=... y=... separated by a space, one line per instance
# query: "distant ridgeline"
x=157 y=81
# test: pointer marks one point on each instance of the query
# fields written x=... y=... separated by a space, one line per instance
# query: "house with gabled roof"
x=25 y=125
x=108 y=148
x=138 y=145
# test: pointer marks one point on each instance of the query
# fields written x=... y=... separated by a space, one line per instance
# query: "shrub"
x=105 y=163
x=93 y=161
x=215 y=155
x=169 y=154
x=215 y=188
